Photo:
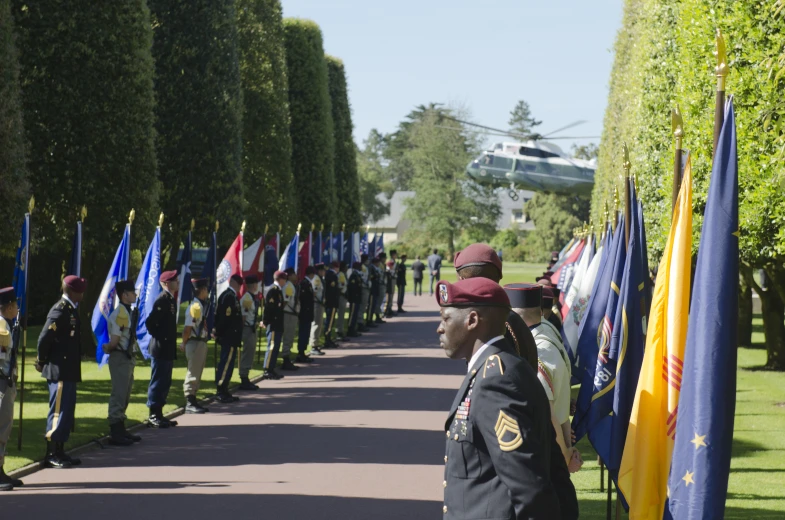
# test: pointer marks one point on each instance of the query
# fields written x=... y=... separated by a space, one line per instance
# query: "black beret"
x=237 y=278
x=524 y=295
x=7 y=295
x=289 y=271
x=123 y=286
x=319 y=266
x=200 y=283
x=310 y=270
x=251 y=279
x=363 y=257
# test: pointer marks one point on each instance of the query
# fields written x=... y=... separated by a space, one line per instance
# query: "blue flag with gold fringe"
x=698 y=483
x=20 y=266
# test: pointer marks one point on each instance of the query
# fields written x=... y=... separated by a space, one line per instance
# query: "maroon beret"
x=336 y=264
x=524 y=295
x=7 y=295
x=280 y=274
x=544 y=280
x=390 y=263
x=473 y=292
x=75 y=283
x=169 y=276
x=477 y=254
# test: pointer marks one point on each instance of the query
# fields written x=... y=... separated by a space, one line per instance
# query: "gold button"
x=474 y=371
x=448 y=434
x=445 y=458
x=456 y=437
x=444 y=509
x=445 y=483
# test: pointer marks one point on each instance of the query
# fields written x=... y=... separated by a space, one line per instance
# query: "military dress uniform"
x=195 y=351
x=332 y=295
x=249 y=305
x=60 y=362
x=306 y=318
x=162 y=327
x=375 y=278
x=343 y=303
x=317 y=325
x=354 y=296
x=290 y=320
x=273 y=319
x=498 y=431
x=389 y=282
x=229 y=335
x=400 y=279
x=9 y=345
x=365 y=295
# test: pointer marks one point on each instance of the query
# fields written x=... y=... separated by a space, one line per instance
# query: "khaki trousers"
x=317 y=326
x=341 y=316
x=290 y=326
x=121 y=370
x=196 y=354
x=249 y=349
x=7 y=398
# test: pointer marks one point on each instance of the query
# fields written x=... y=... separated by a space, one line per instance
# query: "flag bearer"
x=317 y=326
x=195 y=337
x=162 y=326
x=9 y=344
x=273 y=319
x=249 y=304
x=291 y=322
x=342 y=301
x=229 y=335
x=389 y=285
x=354 y=295
x=305 y=295
x=331 y=303
x=362 y=325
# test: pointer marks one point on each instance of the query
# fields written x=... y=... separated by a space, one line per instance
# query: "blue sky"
x=485 y=56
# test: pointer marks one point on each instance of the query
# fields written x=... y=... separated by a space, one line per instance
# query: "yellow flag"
x=643 y=475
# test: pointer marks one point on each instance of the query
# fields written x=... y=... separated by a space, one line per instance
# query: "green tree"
x=313 y=142
x=199 y=118
x=586 y=152
x=555 y=218
x=397 y=145
x=346 y=181
x=87 y=86
x=373 y=179
x=521 y=120
x=13 y=175
x=267 y=146
x=445 y=201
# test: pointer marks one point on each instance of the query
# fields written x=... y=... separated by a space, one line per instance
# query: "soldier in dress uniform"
x=389 y=285
x=122 y=349
x=343 y=303
x=162 y=327
x=354 y=295
x=394 y=258
x=60 y=363
x=362 y=325
x=400 y=279
x=498 y=429
x=382 y=287
x=480 y=260
x=306 y=297
x=317 y=325
x=249 y=306
x=376 y=278
x=550 y=309
x=291 y=322
x=273 y=320
x=332 y=295
x=9 y=351
x=194 y=344
x=229 y=335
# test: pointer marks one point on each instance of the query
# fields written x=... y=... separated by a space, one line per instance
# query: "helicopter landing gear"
x=513 y=193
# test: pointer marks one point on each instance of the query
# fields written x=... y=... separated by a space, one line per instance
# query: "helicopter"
x=531 y=163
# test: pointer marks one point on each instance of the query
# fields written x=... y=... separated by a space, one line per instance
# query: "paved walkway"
x=357 y=435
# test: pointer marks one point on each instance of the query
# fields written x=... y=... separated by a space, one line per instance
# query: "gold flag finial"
x=722 y=62
x=161 y=219
x=343 y=227
x=242 y=227
x=280 y=227
x=627 y=165
x=367 y=228
x=299 y=227
x=131 y=216
x=266 y=227
x=84 y=213
x=313 y=226
x=217 y=225
x=677 y=123
x=322 y=228
x=31 y=204
x=193 y=224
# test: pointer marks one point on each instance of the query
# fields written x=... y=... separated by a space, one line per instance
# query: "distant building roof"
x=397 y=208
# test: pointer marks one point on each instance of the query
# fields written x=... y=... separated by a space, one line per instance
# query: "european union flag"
x=700 y=466
x=20 y=266
x=148 y=288
x=186 y=291
x=106 y=300
x=209 y=271
x=75 y=262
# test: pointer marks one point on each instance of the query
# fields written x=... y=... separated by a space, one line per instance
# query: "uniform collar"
x=66 y=298
x=232 y=289
x=480 y=351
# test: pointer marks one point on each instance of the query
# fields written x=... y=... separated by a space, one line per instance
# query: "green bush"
x=347 y=186
x=13 y=175
x=313 y=146
x=199 y=113
x=267 y=145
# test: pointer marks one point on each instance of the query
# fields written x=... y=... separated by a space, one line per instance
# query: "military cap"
x=524 y=295
x=390 y=263
x=363 y=257
x=344 y=265
x=555 y=256
x=289 y=271
x=237 y=278
x=200 y=283
x=472 y=292
x=169 y=276
x=279 y=274
x=556 y=292
x=123 y=286
x=319 y=266
x=335 y=264
x=547 y=297
x=357 y=265
x=75 y=283
x=7 y=295
x=310 y=270
x=544 y=280
x=477 y=254
x=251 y=279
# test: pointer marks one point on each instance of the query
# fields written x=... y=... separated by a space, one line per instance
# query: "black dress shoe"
x=129 y=435
x=117 y=436
x=302 y=358
x=273 y=375
x=288 y=365
x=154 y=422
x=63 y=455
x=8 y=483
x=246 y=384
x=225 y=398
x=317 y=351
x=192 y=408
x=55 y=461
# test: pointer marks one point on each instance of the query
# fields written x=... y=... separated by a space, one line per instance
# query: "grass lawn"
x=513 y=273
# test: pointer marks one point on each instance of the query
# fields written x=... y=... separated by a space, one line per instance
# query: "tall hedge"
x=347 y=186
x=87 y=85
x=664 y=57
x=199 y=117
x=267 y=146
x=313 y=147
x=13 y=176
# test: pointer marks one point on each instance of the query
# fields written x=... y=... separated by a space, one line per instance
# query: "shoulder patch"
x=5 y=335
x=493 y=363
x=53 y=327
x=228 y=311
x=507 y=428
x=247 y=302
x=122 y=319
x=289 y=291
x=196 y=310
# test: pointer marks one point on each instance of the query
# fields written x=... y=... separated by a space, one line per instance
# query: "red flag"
x=230 y=265
x=253 y=259
x=305 y=255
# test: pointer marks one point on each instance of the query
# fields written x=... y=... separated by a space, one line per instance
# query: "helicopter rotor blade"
x=576 y=123
x=490 y=128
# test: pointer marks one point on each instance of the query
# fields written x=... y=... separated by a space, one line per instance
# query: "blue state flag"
x=329 y=251
x=270 y=263
x=209 y=271
x=75 y=261
x=591 y=331
x=700 y=466
x=372 y=247
x=186 y=291
x=379 y=245
x=346 y=248
x=290 y=254
x=357 y=246
x=22 y=260
x=148 y=288
x=316 y=249
x=107 y=300
x=363 y=244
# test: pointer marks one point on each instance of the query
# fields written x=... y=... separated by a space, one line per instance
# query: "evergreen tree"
x=13 y=175
x=313 y=147
x=199 y=120
x=521 y=119
x=373 y=179
x=267 y=145
x=346 y=180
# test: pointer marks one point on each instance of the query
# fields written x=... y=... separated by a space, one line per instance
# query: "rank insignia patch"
x=53 y=327
x=228 y=311
x=443 y=293
x=507 y=428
